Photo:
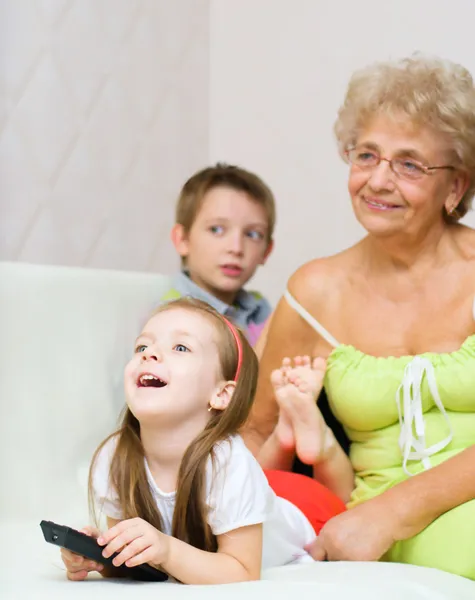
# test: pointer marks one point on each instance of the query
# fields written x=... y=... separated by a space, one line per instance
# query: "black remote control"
x=87 y=546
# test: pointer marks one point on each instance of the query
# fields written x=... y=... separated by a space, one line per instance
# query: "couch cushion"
x=66 y=334
x=31 y=568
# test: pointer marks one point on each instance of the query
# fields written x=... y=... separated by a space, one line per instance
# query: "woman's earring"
x=453 y=211
x=210 y=408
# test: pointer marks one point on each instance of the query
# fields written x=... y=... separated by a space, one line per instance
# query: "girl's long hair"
x=127 y=470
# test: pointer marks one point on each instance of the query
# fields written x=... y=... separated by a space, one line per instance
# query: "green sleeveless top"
x=401 y=414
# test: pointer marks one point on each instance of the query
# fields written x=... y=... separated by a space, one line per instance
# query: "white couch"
x=65 y=334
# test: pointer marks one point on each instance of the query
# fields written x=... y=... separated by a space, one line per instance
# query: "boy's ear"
x=179 y=239
x=222 y=396
x=270 y=247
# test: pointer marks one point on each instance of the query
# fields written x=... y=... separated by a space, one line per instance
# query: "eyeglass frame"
x=425 y=170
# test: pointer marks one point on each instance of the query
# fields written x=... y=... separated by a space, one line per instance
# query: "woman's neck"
x=408 y=254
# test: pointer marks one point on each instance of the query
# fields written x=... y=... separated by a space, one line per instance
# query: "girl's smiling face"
x=175 y=368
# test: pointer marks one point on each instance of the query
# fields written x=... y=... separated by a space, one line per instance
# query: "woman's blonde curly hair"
x=427 y=91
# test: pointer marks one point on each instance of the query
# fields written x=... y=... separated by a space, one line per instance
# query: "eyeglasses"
x=407 y=168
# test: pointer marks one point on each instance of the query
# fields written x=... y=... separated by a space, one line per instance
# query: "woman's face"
x=386 y=203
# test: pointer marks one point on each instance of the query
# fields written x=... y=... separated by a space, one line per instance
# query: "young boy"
x=225 y=219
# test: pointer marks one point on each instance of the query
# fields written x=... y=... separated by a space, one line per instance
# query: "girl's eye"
x=181 y=348
x=255 y=235
x=217 y=229
x=140 y=348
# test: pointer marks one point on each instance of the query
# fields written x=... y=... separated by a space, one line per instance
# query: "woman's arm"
x=238 y=558
x=333 y=468
x=287 y=335
x=367 y=531
x=433 y=492
x=262 y=340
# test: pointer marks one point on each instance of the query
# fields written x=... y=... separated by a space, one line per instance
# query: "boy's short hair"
x=223 y=175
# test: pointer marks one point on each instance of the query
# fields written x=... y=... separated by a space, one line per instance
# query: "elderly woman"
x=394 y=317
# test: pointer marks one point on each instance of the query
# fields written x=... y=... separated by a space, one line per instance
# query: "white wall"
x=106 y=106
x=279 y=69
x=103 y=114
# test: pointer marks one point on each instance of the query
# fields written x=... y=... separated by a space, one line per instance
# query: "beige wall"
x=279 y=69
x=103 y=114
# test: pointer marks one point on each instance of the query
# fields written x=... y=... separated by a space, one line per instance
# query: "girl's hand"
x=136 y=542
x=78 y=567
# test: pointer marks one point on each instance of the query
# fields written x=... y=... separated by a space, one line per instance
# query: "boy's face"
x=226 y=243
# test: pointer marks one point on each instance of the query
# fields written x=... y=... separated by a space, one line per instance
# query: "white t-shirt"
x=238 y=494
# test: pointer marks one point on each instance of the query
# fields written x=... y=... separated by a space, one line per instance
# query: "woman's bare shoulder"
x=465 y=237
x=321 y=276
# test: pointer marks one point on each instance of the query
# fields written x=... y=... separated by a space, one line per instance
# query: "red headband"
x=239 y=347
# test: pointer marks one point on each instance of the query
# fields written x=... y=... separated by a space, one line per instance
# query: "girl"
x=178 y=486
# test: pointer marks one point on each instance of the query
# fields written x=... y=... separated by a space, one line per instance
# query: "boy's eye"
x=255 y=235
x=140 y=348
x=181 y=348
x=218 y=229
